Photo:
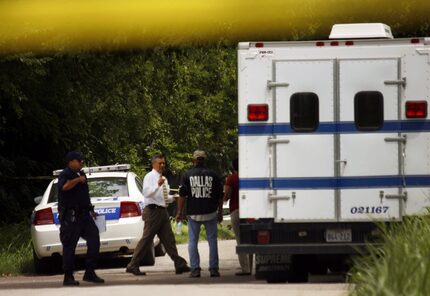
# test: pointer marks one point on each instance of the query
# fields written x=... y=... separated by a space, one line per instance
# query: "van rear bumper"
x=264 y=236
x=324 y=248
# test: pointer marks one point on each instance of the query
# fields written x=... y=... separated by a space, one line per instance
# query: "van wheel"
x=149 y=258
x=300 y=269
x=298 y=277
x=276 y=277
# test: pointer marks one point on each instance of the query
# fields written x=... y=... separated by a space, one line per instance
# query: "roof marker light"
x=334 y=43
x=259 y=44
x=319 y=43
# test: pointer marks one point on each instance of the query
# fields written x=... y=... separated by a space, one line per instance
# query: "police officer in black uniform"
x=76 y=214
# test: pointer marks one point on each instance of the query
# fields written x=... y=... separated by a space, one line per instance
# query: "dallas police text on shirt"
x=201 y=186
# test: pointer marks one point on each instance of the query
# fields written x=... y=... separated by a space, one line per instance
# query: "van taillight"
x=416 y=109
x=43 y=217
x=258 y=112
x=263 y=237
x=130 y=209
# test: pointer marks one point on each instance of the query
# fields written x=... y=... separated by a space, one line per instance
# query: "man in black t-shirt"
x=201 y=189
x=76 y=214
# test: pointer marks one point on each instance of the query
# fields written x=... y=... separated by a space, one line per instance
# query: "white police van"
x=116 y=193
x=333 y=135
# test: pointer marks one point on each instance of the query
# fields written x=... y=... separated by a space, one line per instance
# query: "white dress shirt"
x=153 y=194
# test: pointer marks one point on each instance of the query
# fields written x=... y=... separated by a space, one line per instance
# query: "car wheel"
x=46 y=265
x=160 y=250
x=149 y=258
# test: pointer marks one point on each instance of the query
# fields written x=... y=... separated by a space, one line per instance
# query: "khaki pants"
x=156 y=223
x=245 y=260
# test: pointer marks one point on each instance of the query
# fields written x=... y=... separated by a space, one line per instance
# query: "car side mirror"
x=38 y=199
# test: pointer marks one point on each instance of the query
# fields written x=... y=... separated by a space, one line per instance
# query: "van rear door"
x=302 y=148
x=369 y=160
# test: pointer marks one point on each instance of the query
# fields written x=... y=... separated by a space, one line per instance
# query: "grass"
x=401 y=266
x=223 y=233
x=16 y=255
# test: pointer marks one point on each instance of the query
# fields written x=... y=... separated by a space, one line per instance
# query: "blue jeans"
x=193 y=239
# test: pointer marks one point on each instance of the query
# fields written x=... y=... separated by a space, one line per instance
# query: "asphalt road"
x=162 y=280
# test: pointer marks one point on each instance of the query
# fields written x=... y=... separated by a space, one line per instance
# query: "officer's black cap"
x=72 y=155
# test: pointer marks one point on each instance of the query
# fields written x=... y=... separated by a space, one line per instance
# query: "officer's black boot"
x=91 y=276
x=69 y=280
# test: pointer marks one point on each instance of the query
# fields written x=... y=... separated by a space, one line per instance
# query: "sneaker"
x=69 y=280
x=214 y=272
x=91 y=276
x=182 y=269
x=195 y=273
x=135 y=271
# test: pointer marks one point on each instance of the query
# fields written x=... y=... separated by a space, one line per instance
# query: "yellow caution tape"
x=68 y=25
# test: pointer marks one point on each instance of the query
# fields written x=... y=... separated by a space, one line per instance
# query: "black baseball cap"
x=72 y=155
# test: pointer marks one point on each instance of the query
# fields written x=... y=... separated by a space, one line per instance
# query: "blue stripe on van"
x=393 y=126
x=109 y=213
x=335 y=183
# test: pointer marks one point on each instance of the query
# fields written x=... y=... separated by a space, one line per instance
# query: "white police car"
x=115 y=193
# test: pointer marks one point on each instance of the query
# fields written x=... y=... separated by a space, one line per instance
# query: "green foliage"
x=15 y=249
x=117 y=107
x=224 y=233
x=401 y=266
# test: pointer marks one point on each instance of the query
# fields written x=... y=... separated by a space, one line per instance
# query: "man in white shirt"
x=157 y=222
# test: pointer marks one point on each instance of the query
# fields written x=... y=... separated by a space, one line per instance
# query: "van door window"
x=304 y=112
x=369 y=110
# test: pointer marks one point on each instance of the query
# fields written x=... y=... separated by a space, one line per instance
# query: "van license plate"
x=338 y=235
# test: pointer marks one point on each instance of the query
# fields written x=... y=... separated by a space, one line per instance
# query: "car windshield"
x=99 y=187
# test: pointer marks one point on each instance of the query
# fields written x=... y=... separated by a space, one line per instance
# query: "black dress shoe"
x=241 y=273
x=69 y=280
x=182 y=269
x=91 y=276
x=214 y=272
x=135 y=271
